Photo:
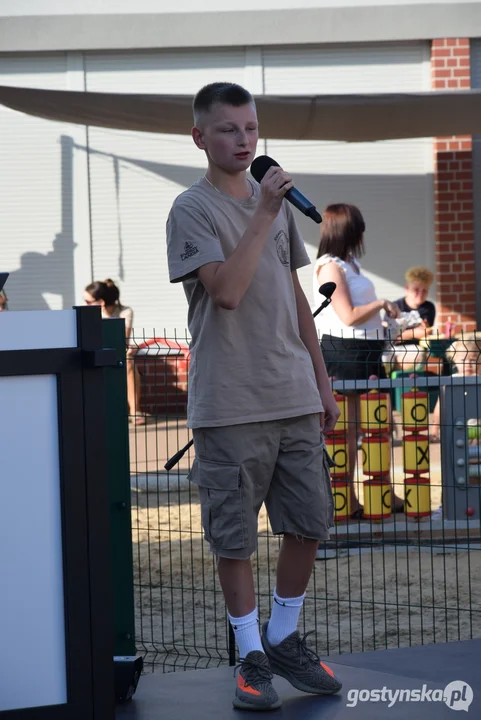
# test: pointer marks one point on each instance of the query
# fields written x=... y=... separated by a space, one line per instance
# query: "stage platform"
x=207 y=694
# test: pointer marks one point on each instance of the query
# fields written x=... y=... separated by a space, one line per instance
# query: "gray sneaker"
x=254 y=689
x=300 y=665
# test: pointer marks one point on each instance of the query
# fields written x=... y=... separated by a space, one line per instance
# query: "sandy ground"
x=367 y=599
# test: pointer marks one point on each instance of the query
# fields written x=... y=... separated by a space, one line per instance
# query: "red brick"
x=443 y=73
x=451 y=62
x=439 y=43
x=443 y=217
x=464 y=195
x=440 y=51
x=464 y=62
x=452 y=84
x=460 y=51
x=439 y=84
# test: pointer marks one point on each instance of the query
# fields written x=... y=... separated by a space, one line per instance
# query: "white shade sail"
x=350 y=118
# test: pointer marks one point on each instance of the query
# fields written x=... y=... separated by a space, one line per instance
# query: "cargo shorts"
x=282 y=463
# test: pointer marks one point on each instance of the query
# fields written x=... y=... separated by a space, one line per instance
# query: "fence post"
x=118 y=468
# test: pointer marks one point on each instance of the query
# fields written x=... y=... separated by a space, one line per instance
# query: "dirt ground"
x=365 y=599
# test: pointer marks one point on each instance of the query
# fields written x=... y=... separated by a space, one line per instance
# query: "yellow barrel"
x=377 y=498
x=376 y=456
x=338 y=450
x=415 y=410
x=416 y=453
x=375 y=412
x=342 y=500
x=417 y=497
x=341 y=425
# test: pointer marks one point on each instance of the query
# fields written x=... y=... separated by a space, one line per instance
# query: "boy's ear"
x=198 y=138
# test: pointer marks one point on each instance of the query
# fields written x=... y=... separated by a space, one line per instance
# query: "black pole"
x=231 y=646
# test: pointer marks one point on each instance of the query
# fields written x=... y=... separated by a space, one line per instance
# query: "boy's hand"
x=274 y=186
x=331 y=413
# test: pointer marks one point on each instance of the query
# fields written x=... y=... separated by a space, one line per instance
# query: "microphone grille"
x=261 y=165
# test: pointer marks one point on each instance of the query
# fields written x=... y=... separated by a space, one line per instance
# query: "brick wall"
x=163 y=383
x=453 y=195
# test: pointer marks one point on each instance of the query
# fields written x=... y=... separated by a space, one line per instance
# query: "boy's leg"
x=233 y=468
x=294 y=568
x=237 y=584
x=300 y=506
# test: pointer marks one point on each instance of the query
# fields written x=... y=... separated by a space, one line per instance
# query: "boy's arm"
x=227 y=282
x=308 y=333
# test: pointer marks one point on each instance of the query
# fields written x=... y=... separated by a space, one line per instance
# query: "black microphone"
x=259 y=168
x=327 y=290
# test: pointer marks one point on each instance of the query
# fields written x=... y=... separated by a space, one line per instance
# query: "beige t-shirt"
x=248 y=364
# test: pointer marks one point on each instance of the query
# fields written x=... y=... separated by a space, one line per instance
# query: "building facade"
x=82 y=203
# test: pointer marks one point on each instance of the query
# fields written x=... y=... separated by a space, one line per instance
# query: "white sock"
x=284 y=618
x=246 y=631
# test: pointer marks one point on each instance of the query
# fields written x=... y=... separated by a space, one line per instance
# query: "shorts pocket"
x=328 y=464
x=220 y=491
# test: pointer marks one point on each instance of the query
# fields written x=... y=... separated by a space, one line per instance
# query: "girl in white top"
x=361 y=293
x=351 y=329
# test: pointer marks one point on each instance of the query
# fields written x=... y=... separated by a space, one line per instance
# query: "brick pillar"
x=453 y=196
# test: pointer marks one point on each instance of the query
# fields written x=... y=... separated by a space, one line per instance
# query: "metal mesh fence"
x=404 y=570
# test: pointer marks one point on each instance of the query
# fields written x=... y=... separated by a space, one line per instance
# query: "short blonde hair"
x=419 y=274
x=469 y=344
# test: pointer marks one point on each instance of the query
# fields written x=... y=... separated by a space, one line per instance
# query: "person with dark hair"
x=259 y=393
x=3 y=301
x=351 y=328
x=107 y=295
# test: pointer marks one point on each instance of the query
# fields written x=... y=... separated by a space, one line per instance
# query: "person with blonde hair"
x=465 y=354
x=418 y=281
x=416 y=318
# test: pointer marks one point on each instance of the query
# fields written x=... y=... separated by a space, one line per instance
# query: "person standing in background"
x=107 y=295
x=418 y=281
x=3 y=301
x=406 y=351
x=351 y=328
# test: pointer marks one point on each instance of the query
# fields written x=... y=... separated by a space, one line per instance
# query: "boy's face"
x=229 y=136
x=416 y=294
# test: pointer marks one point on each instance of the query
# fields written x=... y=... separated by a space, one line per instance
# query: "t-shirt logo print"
x=190 y=249
x=282 y=244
